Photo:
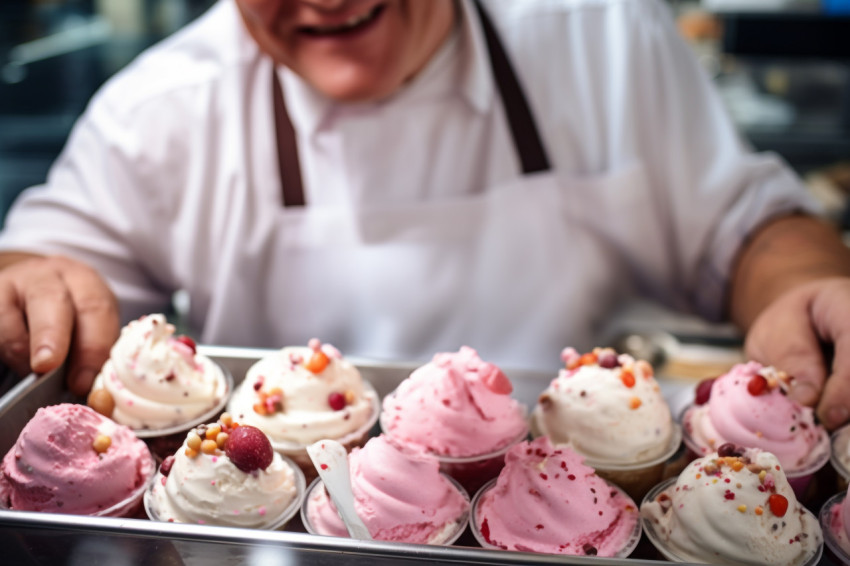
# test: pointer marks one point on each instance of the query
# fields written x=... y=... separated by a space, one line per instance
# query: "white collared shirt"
x=171 y=173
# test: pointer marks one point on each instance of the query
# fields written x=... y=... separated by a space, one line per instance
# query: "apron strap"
x=287 y=148
x=527 y=141
x=526 y=137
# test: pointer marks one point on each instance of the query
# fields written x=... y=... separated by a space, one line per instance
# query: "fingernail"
x=804 y=393
x=836 y=416
x=43 y=355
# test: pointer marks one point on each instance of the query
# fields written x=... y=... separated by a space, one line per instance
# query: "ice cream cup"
x=670 y=553
x=840 y=455
x=163 y=442
x=274 y=523
x=128 y=507
x=472 y=471
x=298 y=452
x=637 y=478
x=834 y=535
x=132 y=505
x=627 y=549
x=448 y=537
x=800 y=477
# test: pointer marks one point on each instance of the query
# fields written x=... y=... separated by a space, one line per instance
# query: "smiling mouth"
x=353 y=23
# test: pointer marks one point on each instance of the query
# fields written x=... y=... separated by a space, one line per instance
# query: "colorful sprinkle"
x=778 y=504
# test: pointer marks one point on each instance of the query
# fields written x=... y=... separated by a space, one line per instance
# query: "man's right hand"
x=52 y=308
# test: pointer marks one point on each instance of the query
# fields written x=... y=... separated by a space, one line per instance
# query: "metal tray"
x=48 y=538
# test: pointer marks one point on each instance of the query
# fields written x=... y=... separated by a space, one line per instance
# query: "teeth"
x=352 y=22
x=356 y=20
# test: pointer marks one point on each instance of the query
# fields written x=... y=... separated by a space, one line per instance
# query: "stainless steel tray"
x=47 y=538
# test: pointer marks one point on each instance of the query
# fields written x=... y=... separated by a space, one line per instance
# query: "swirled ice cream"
x=298 y=395
x=608 y=407
x=155 y=380
x=400 y=495
x=835 y=522
x=748 y=406
x=225 y=474
x=732 y=507
x=547 y=500
x=70 y=459
x=456 y=405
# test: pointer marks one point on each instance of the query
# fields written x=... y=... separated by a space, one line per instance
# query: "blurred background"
x=54 y=54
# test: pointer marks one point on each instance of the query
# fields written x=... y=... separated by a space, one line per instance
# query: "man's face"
x=350 y=50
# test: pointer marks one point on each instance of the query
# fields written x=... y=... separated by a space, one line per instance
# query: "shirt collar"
x=309 y=109
x=477 y=82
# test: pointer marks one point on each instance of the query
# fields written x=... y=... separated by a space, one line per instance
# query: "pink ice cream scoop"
x=748 y=406
x=547 y=500
x=456 y=405
x=70 y=459
x=399 y=494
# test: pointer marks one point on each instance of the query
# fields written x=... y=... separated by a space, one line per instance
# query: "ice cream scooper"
x=331 y=461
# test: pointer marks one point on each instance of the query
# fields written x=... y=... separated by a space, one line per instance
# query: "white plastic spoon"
x=331 y=462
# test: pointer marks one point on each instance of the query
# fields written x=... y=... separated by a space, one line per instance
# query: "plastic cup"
x=675 y=555
x=164 y=442
x=635 y=478
x=832 y=524
x=272 y=524
x=132 y=505
x=470 y=471
x=129 y=507
x=840 y=455
x=629 y=546
x=800 y=477
x=445 y=538
x=297 y=452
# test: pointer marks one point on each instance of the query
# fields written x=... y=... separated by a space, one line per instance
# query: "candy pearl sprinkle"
x=101 y=443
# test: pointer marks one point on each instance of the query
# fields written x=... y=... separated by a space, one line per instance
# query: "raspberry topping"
x=608 y=359
x=728 y=449
x=703 y=392
x=757 y=385
x=188 y=342
x=249 y=449
x=336 y=401
x=165 y=467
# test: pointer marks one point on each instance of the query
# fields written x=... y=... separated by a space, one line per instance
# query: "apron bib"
x=494 y=270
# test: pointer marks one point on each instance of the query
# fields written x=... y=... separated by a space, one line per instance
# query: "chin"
x=358 y=88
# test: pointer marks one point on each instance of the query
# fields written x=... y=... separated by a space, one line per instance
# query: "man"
x=401 y=177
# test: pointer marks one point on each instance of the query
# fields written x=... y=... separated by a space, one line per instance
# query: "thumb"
x=797 y=352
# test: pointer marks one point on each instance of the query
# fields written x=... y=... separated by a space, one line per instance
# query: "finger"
x=14 y=336
x=831 y=311
x=49 y=316
x=96 y=326
x=834 y=407
x=790 y=344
